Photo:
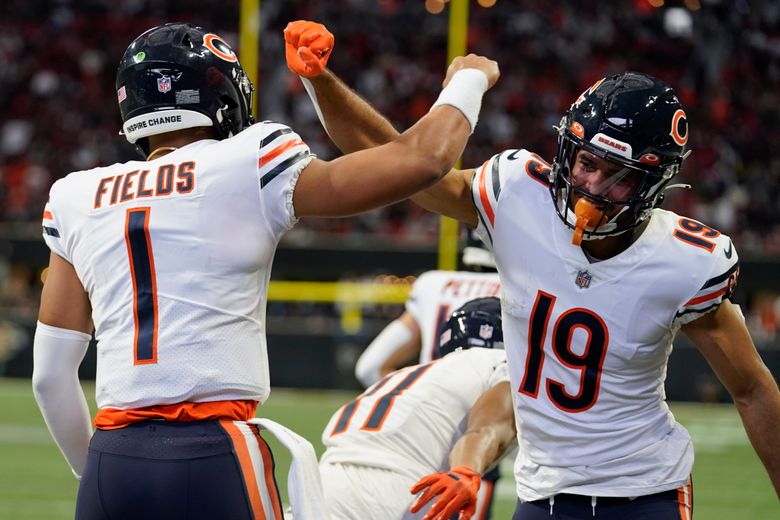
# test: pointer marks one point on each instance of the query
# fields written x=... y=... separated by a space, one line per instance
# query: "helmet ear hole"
x=228 y=103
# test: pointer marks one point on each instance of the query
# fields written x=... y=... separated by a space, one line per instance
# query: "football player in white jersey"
x=170 y=256
x=413 y=336
x=447 y=420
x=596 y=282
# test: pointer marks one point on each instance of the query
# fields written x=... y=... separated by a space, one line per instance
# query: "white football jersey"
x=587 y=343
x=175 y=254
x=408 y=421
x=436 y=294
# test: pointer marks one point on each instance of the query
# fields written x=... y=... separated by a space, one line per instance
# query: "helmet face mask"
x=475 y=324
x=178 y=76
x=636 y=123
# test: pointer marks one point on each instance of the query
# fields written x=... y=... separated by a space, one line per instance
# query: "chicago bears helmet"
x=634 y=121
x=177 y=76
x=477 y=323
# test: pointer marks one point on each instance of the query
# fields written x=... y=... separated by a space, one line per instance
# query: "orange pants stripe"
x=257 y=467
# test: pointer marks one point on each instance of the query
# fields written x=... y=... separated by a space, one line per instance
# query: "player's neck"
x=612 y=246
x=165 y=143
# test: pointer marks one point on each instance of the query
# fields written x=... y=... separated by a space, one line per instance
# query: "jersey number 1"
x=589 y=363
x=145 y=316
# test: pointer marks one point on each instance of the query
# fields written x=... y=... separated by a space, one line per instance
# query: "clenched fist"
x=307 y=47
x=474 y=61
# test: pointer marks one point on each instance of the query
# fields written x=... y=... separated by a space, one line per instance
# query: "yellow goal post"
x=351 y=292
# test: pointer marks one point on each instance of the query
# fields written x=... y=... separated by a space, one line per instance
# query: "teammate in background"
x=454 y=412
x=413 y=336
x=596 y=282
x=167 y=256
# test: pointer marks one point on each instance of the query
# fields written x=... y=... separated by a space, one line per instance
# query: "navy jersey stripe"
x=496 y=177
x=477 y=206
x=720 y=279
x=52 y=232
x=487 y=229
x=279 y=168
x=265 y=141
x=705 y=309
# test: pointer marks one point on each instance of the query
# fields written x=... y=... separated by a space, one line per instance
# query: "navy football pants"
x=667 y=505
x=170 y=471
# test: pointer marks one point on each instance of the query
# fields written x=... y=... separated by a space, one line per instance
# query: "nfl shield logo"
x=583 y=279
x=485 y=331
x=164 y=84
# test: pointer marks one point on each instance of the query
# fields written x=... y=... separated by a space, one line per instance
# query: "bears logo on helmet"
x=178 y=76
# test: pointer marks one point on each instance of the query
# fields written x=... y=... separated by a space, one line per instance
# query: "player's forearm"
x=480 y=448
x=350 y=121
x=760 y=412
x=57 y=354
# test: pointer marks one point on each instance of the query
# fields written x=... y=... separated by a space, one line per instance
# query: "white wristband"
x=464 y=92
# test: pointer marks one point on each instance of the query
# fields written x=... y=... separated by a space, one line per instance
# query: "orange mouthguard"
x=587 y=216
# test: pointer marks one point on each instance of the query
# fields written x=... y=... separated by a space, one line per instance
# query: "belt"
x=602 y=501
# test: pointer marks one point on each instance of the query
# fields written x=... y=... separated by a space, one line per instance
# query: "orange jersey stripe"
x=706 y=297
x=115 y=418
x=484 y=197
x=47 y=215
x=277 y=151
x=247 y=469
x=270 y=481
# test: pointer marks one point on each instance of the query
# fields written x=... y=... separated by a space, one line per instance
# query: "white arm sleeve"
x=387 y=342
x=57 y=354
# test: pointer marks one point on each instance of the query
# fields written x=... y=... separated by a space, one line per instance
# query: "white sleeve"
x=387 y=342
x=53 y=232
x=57 y=354
x=282 y=156
x=720 y=283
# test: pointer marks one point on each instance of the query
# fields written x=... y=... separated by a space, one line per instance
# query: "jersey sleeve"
x=485 y=190
x=500 y=375
x=491 y=179
x=416 y=296
x=53 y=232
x=719 y=286
x=282 y=155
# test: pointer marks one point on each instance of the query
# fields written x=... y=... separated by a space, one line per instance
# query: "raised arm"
x=725 y=342
x=396 y=346
x=354 y=125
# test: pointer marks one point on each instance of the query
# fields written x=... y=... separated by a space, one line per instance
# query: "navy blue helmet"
x=177 y=76
x=475 y=324
x=633 y=120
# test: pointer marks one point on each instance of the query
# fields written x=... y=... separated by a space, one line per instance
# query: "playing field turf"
x=35 y=482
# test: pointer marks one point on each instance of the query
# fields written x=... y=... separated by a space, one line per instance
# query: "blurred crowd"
x=58 y=60
x=58 y=105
